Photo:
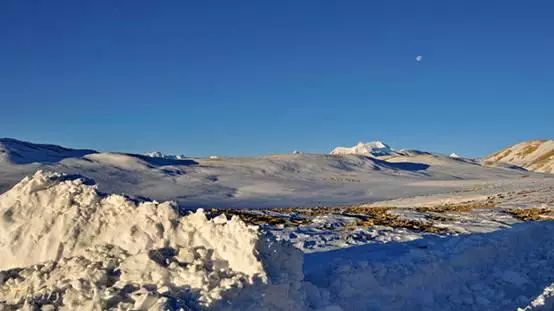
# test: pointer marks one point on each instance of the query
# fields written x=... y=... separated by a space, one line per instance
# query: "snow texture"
x=88 y=248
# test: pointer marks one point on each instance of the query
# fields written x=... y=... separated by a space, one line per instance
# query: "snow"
x=494 y=271
x=373 y=148
x=278 y=180
x=66 y=245
x=454 y=155
x=19 y=152
x=58 y=219
x=158 y=154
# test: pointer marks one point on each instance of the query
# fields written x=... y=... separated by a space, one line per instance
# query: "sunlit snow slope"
x=533 y=155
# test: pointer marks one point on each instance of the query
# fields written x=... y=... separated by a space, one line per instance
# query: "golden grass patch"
x=459 y=207
x=531 y=214
x=254 y=218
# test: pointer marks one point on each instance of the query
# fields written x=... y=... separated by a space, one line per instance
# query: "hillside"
x=533 y=155
x=20 y=152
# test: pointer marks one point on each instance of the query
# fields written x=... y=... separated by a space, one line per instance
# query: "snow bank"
x=493 y=271
x=65 y=244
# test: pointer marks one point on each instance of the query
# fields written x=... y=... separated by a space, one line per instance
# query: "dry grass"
x=254 y=218
x=365 y=217
x=530 y=149
x=543 y=159
x=460 y=207
x=381 y=216
x=531 y=214
x=308 y=212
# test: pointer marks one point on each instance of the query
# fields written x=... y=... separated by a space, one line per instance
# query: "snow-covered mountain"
x=157 y=154
x=20 y=152
x=372 y=148
x=533 y=155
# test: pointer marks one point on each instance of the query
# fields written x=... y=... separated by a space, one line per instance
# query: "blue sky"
x=260 y=77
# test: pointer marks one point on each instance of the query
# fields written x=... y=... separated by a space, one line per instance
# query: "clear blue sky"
x=258 y=77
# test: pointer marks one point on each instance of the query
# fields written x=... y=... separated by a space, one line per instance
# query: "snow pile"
x=157 y=154
x=454 y=155
x=373 y=148
x=65 y=244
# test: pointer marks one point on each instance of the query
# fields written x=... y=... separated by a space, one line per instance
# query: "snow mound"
x=373 y=148
x=533 y=155
x=20 y=152
x=65 y=244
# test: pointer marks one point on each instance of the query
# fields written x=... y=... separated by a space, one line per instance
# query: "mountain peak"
x=372 y=148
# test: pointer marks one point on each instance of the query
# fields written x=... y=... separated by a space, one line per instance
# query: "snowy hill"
x=263 y=181
x=373 y=148
x=533 y=155
x=20 y=152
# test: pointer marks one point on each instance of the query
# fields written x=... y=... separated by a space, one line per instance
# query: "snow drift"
x=502 y=270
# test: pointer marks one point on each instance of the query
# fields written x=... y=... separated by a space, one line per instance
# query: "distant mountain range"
x=533 y=155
